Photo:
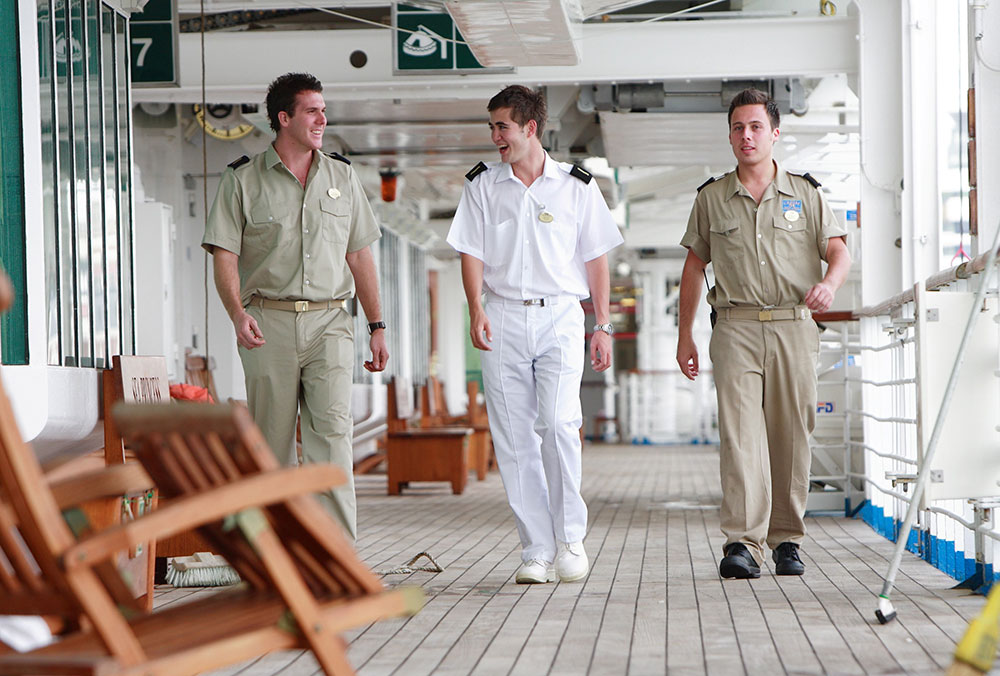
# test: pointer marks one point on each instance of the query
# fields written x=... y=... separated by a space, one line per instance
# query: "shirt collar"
x=550 y=169
x=271 y=157
x=781 y=182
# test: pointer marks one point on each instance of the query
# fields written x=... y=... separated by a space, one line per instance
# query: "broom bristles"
x=204 y=569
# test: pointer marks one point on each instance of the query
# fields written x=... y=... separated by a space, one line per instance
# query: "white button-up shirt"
x=524 y=257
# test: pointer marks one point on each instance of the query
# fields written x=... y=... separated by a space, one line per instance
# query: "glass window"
x=86 y=153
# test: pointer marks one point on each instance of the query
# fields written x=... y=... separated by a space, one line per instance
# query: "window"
x=87 y=181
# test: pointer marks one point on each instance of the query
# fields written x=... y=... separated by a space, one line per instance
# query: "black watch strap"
x=374 y=326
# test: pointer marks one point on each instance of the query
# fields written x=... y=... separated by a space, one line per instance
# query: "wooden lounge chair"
x=422 y=454
x=434 y=413
x=304 y=583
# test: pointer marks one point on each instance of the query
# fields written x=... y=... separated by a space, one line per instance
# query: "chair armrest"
x=190 y=511
x=103 y=483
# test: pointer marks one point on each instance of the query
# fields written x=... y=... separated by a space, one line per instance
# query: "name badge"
x=546 y=217
x=333 y=192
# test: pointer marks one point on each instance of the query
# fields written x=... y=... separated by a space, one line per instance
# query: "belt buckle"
x=764 y=315
x=302 y=306
x=535 y=301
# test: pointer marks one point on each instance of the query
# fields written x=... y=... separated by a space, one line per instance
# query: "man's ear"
x=531 y=128
x=283 y=118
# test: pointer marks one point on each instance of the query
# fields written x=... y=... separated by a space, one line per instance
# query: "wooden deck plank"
x=654 y=602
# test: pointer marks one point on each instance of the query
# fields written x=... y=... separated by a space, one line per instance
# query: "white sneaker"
x=571 y=561
x=535 y=571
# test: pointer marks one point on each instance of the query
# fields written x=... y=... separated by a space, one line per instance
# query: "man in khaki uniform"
x=290 y=232
x=767 y=231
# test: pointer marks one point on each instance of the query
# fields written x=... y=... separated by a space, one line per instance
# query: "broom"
x=204 y=569
x=975 y=652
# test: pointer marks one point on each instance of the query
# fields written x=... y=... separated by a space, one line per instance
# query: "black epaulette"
x=579 y=172
x=236 y=164
x=816 y=184
x=338 y=156
x=711 y=179
x=475 y=171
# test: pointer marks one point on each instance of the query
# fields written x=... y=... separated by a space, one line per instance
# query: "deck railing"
x=907 y=349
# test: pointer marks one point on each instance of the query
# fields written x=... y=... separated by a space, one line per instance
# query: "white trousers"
x=532 y=383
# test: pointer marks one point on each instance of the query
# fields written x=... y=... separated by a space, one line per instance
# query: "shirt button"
x=306 y=231
x=307 y=282
x=762 y=262
x=308 y=255
x=759 y=235
x=755 y=209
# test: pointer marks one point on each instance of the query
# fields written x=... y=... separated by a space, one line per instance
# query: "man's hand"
x=480 y=325
x=380 y=353
x=600 y=351
x=687 y=357
x=820 y=297
x=248 y=334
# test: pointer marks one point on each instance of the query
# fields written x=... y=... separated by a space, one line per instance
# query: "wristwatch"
x=375 y=326
x=607 y=328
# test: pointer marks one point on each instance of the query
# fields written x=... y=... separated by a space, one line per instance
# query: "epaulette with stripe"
x=338 y=156
x=579 y=172
x=237 y=163
x=475 y=171
x=712 y=179
x=816 y=184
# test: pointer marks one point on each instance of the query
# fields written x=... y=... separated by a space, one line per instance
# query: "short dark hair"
x=525 y=104
x=281 y=94
x=755 y=97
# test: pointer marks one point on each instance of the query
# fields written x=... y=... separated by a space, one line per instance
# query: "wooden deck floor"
x=653 y=603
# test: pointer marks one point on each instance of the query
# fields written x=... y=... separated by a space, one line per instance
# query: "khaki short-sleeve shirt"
x=291 y=241
x=764 y=255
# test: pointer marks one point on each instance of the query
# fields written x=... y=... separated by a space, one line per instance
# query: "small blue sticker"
x=791 y=205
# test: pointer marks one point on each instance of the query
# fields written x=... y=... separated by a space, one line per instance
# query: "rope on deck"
x=410 y=568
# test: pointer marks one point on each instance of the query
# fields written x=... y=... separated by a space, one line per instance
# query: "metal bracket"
x=933 y=314
x=903 y=479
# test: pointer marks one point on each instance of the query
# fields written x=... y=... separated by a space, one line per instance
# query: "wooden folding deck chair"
x=304 y=583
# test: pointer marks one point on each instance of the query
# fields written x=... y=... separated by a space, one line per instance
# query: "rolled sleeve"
x=225 y=221
x=693 y=238
x=599 y=233
x=829 y=226
x=364 y=226
x=467 y=227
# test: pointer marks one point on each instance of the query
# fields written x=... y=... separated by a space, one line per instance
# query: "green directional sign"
x=153 y=37
x=426 y=43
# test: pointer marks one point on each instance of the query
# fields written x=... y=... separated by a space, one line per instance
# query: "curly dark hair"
x=281 y=94
x=525 y=104
x=755 y=97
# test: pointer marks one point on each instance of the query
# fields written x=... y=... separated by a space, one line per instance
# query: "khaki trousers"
x=765 y=379
x=307 y=366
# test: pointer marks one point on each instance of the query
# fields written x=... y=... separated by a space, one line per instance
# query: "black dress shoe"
x=786 y=559
x=738 y=562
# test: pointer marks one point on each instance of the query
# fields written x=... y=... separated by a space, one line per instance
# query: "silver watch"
x=607 y=328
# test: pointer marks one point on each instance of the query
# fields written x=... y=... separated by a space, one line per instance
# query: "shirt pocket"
x=263 y=229
x=791 y=238
x=499 y=242
x=556 y=240
x=335 y=215
x=726 y=244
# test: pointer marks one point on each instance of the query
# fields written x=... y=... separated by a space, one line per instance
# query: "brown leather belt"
x=766 y=314
x=298 y=305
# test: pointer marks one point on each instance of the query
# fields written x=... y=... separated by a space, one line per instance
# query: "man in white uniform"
x=536 y=233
